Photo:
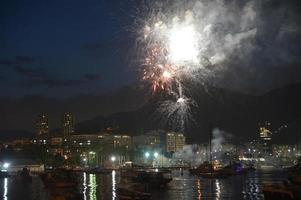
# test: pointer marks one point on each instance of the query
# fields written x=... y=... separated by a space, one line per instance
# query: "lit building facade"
x=265 y=138
x=122 y=141
x=174 y=141
x=42 y=126
x=67 y=124
x=151 y=141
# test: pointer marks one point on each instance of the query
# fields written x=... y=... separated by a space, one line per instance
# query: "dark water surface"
x=182 y=187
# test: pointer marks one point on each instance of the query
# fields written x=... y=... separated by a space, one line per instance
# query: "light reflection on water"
x=103 y=187
x=5 y=189
x=85 y=185
x=93 y=186
x=198 y=185
x=113 y=185
x=218 y=189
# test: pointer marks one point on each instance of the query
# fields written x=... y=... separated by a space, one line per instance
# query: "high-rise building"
x=180 y=141
x=170 y=142
x=174 y=141
x=265 y=138
x=67 y=124
x=42 y=125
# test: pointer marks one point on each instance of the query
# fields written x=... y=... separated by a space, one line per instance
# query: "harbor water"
x=186 y=186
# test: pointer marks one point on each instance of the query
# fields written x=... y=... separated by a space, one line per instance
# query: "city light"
x=147 y=154
x=156 y=154
x=113 y=158
x=6 y=165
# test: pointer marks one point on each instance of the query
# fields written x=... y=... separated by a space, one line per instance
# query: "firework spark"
x=190 y=40
x=171 y=51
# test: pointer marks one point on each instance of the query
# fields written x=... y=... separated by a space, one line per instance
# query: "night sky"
x=66 y=48
x=62 y=48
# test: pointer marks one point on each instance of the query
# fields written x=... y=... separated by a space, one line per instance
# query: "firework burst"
x=171 y=54
x=189 y=41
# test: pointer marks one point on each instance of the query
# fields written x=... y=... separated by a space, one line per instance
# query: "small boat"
x=132 y=191
x=268 y=167
x=24 y=175
x=4 y=174
x=285 y=191
x=215 y=175
x=234 y=168
x=272 y=192
x=59 y=178
x=294 y=174
x=206 y=170
x=151 y=177
x=154 y=178
x=205 y=167
x=99 y=170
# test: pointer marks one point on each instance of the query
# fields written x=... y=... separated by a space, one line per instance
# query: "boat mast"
x=210 y=145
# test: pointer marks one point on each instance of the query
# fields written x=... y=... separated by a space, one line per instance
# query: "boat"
x=215 y=174
x=294 y=173
x=205 y=167
x=59 y=178
x=284 y=191
x=234 y=168
x=151 y=177
x=267 y=167
x=99 y=170
x=4 y=174
x=132 y=191
x=24 y=176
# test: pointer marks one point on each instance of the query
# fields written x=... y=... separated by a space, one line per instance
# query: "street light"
x=147 y=154
x=156 y=154
x=113 y=158
x=6 y=165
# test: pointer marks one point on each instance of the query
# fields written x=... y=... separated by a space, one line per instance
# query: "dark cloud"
x=25 y=59
x=39 y=77
x=91 y=77
x=18 y=60
x=7 y=62
x=107 y=48
x=30 y=72
x=54 y=82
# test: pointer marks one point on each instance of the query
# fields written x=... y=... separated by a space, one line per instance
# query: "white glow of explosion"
x=181 y=100
x=183 y=45
x=166 y=74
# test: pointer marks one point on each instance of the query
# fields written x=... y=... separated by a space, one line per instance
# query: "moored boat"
x=205 y=167
x=151 y=177
x=294 y=174
x=59 y=178
x=285 y=191
x=4 y=174
x=132 y=191
x=99 y=170
x=215 y=175
x=234 y=168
